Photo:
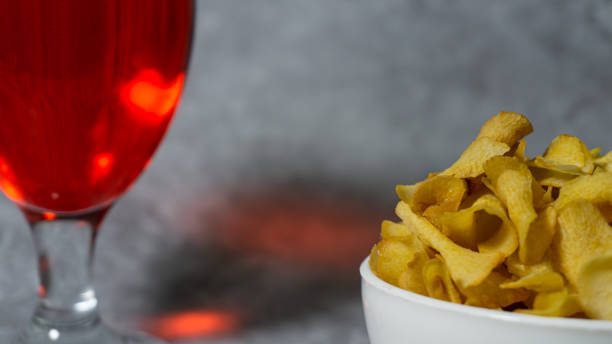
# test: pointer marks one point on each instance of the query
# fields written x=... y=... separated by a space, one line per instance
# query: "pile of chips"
x=499 y=230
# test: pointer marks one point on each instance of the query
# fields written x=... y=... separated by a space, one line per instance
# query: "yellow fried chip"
x=400 y=231
x=406 y=192
x=399 y=257
x=504 y=241
x=471 y=162
x=541 y=280
x=501 y=231
x=489 y=294
x=518 y=268
x=594 y=285
x=389 y=258
x=518 y=151
x=539 y=194
x=540 y=235
x=483 y=226
x=596 y=188
x=467 y=227
x=412 y=279
x=392 y=230
x=604 y=162
x=583 y=233
x=437 y=195
x=512 y=182
x=438 y=282
x=466 y=267
x=546 y=177
x=541 y=277
x=567 y=154
x=561 y=303
x=445 y=192
x=506 y=127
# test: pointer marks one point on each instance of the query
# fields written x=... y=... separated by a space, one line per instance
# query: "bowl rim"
x=524 y=319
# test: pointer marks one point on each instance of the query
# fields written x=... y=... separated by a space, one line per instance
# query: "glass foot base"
x=96 y=333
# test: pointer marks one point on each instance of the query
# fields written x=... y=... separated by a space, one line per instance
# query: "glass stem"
x=64 y=249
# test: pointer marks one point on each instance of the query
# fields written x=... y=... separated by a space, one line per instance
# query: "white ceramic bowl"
x=397 y=316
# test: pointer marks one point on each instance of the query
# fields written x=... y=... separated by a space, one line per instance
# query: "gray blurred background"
x=299 y=118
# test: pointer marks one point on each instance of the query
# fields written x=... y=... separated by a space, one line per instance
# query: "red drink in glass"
x=87 y=90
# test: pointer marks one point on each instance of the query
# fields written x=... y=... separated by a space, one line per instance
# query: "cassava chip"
x=466 y=267
x=438 y=281
x=412 y=279
x=489 y=294
x=499 y=230
x=504 y=241
x=583 y=233
x=392 y=230
x=518 y=151
x=540 y=235
x=604 y=162
x=520 y=269
x=596 y=188
x=546 y=177
x=567 y=154
x=594 y=285
x=512 y=182
x=399 y=231
x=561 y=303
x=506 y=127
x=402 y=243
x=540 y=278
x=406 y=192
x=541 y=281
x=484 y=226
x=389 y=258
x=438 y=195
x=471 y=162
x=595 y=152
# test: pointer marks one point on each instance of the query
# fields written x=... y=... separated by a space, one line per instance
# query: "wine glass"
x=87 y=90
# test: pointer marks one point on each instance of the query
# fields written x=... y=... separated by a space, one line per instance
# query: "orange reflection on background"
x=194 y=324
x=325 y=231
x=150 y=93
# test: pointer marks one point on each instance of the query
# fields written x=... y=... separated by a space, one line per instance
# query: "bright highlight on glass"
x=149 y=93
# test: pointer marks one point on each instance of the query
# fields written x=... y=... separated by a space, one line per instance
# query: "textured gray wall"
x=294 y=104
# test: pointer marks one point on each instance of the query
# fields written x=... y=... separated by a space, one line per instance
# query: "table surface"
x=298 y=119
